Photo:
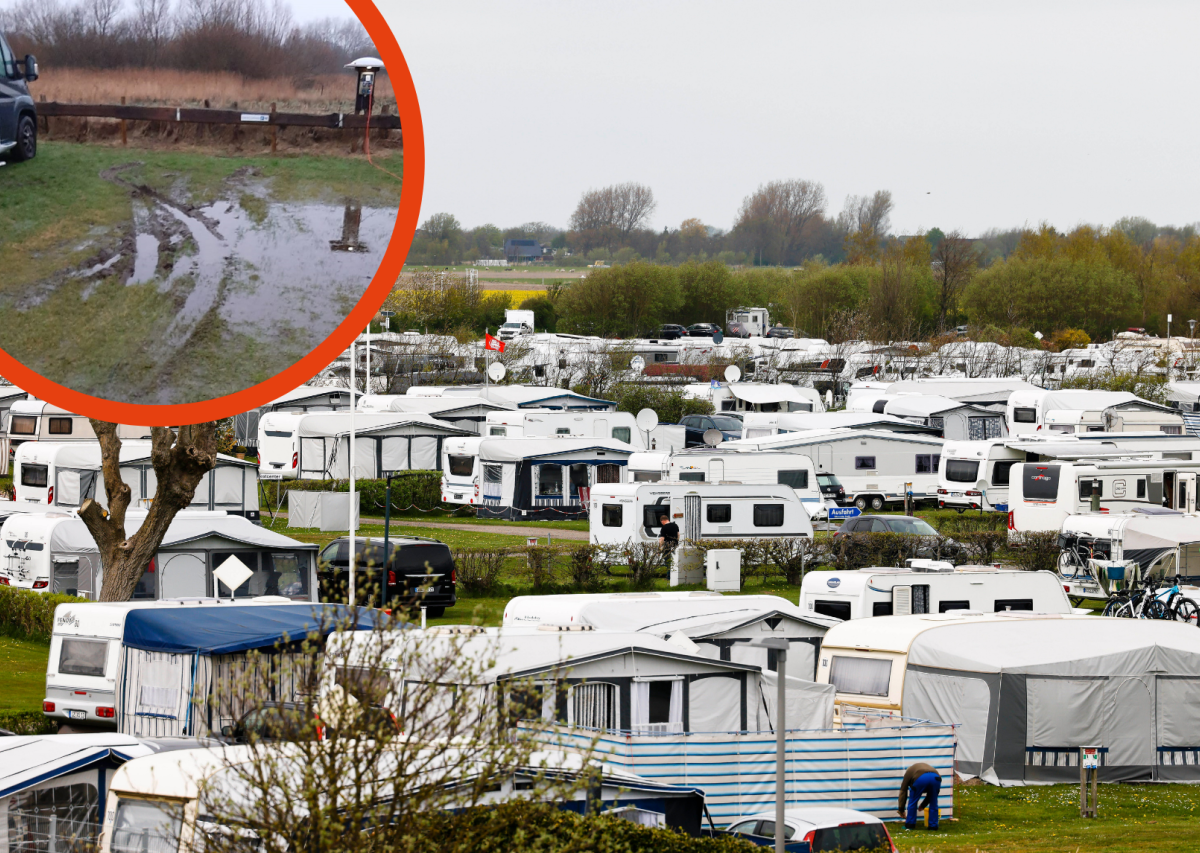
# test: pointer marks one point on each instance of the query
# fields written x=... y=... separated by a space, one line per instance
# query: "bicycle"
x=1138 y=603
x=1179 y=607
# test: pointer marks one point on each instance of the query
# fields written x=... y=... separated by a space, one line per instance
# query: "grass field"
x=22 y=674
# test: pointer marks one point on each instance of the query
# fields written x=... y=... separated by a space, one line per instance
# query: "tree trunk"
x=180 y=462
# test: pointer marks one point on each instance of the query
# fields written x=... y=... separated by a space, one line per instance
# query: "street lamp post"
x=780 y=646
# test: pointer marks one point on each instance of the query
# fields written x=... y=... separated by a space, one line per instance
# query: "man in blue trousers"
x=921 y=780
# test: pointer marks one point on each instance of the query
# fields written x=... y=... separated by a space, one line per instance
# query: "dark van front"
x=419 y=573
x=18 y=116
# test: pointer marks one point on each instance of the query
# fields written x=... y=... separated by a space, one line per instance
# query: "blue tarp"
x=218 y=630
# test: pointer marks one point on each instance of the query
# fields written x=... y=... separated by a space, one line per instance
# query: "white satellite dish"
x=713 y=437
x=497 y=371
x=233 y=573
x=637 y=364
x=733 y=373
x=647 y=419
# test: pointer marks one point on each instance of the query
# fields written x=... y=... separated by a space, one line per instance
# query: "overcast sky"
x=974 y=115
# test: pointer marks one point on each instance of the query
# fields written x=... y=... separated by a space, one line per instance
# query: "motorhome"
x=530 y=478
x=33 y=420
x=715 y=465
x=874 y=467
x=621 y=426
x=877 y=591
x=54 y=552
x=54 y=474
x=975 y=474
x=632 y=512
x=1078 y=411
x=316 y=446
x=1044 y=494
x=1027 y=690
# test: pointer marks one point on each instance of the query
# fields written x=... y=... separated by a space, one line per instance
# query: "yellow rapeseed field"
x=516 y=297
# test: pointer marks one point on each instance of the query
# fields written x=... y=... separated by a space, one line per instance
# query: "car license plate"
x=956 y=494
x=425 y=590
x=77 y=715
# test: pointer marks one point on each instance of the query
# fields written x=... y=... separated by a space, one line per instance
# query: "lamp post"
x=350 y=472
x=780 y=647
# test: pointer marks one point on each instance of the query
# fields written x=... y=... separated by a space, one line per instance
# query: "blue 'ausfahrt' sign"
x=844 y=512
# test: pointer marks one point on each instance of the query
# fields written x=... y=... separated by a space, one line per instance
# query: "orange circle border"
x=333 y=346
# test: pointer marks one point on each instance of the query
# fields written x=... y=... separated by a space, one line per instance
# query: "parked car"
x=738 y=330
x=420 y=571
x=832 y=488
x=670 y=332
x=696 y=425
x=702 y=330
x=904 y=525
x=781 y=332
x=18 y=115
x=824 y=829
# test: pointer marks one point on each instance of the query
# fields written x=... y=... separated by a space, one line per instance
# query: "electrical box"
x=1090 y=757
x=723 y=568
x=686 y=566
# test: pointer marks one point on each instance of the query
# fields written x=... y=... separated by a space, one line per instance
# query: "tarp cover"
x=218 y=631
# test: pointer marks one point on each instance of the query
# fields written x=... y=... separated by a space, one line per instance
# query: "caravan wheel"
x=877 y=503
x=860 y=502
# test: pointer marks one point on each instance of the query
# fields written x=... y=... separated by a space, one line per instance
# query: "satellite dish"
x=647 y=419
x=713 y=437
x=637 y=364
x=733 y=373
x=718 y=337
x=497 y=371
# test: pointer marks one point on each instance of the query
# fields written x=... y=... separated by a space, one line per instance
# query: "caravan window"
x=462 y=466
x=286 y=574
x=651 y=515
x=1003 y=604
x=836 y=609
x=23 y=425
x=621 y=434
x=768 y=515
x=928 y=463
x=864 y=676
x=1141 y=488
x=795 y=479
x=61 y=426
x=82 y=657
x=1172 y=430
x=608 y=473
x=1000 y=473
x=492 y=474
x=646 y=477
x=34 y=475
x=549 y=480
x=864 y=463
x=800 y=407
x=146 y=825
x=500 y=431
x=593 y=706
x=943 y=606
x=1085 y=487
x=277 y=433
x=961 y=470
x=1025 y=416
x=612 y=515
x=562 y=430
x=719 y=513
x=1040 y=483
x=691 y=476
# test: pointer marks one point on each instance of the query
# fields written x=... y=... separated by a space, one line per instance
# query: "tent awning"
x=29 y=760
x=235 y=629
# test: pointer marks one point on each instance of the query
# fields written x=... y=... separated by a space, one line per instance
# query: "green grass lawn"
x=22 y=674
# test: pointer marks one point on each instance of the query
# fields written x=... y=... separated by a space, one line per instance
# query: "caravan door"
x=1185 y=492
x=716 y=470
x=825 y=458
x=600 y=428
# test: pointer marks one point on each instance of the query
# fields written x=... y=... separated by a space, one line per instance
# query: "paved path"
x=552 y=532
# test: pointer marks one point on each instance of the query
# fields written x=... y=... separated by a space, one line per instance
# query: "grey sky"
x=974 y=115
x=315 y=10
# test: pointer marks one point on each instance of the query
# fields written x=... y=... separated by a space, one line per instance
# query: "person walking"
x=920 y=780
x=668 y=535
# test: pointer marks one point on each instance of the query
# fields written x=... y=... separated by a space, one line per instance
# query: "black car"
x=18 y=115
x=670 y=332
x=832 y=488
x=904 y=525
x=702 y=330
x=419 y=572
x=781 y=332
x=696 y=425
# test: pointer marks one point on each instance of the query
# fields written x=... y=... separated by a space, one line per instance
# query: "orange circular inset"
x=334 y=345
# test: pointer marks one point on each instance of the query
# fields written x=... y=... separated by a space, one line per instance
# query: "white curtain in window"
x=639 y=705
x=593 y=706
x=676 y=719
x=864 y=676
x=549 y=703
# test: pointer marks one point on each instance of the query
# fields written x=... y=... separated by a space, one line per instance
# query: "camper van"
x=54 y=552
x=620 y=426
x=874 y=467
x=530 y=478
x=633 y=511
x=33 y=420
x=898 y=592
x=1044 y=494
x=55 y=474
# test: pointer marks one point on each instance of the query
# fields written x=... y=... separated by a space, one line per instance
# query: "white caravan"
x=1077 y=411
x=33 y=420
x=898 y=592
x=762 y=424
x=54 y=474
x=632 y=512
x=315 y=446
x=975 y=474
x=1161 y=542
x=758 y=397
x=621 y=426
x=874 y=467
x=1044 y=494
x=715 y=465
x=54 y=552
x=530 y=478
x=467 y=413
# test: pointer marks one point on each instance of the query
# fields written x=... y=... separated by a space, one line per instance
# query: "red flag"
x=493 y=344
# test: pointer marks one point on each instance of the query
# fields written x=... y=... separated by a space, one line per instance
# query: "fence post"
x=383 y=111
x=275 y=134
x=124 y=136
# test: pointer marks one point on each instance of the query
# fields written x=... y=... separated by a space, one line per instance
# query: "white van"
x=632 y=512
x=975 y=474
x=1044 y=494
x=898 y=592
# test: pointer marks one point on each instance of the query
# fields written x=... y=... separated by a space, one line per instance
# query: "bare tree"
x=181 y=459
x=153 y=24
x=776 y=215
x=954 y=263
x=102 y=15
x=870 y=215
x=608 y=216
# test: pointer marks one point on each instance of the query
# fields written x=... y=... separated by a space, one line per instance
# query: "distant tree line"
x=254 y=38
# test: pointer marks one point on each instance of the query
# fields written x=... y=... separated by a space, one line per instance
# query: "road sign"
x=843 y=512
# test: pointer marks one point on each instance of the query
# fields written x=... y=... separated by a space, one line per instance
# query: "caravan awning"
x=29 y=760
x=235 y=628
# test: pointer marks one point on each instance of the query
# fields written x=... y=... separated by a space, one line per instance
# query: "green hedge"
x=27 y=723
x=29 y=615
x=420 y=489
